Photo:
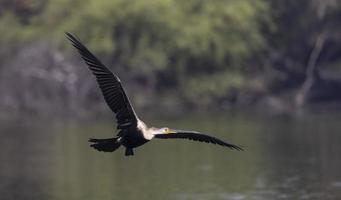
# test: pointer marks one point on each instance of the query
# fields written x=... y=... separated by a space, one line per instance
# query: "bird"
x=131 y=131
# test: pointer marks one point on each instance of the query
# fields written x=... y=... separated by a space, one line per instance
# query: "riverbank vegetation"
x=176 y=55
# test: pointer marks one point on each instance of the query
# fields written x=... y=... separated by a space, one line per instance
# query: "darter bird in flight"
x=132 y=132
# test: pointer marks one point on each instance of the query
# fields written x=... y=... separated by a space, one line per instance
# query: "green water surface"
x=284 y=158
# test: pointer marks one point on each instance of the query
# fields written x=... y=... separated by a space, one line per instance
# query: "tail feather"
x=102 y=140
x=105 y=145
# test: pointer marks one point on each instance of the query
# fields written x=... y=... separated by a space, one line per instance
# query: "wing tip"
x=69 y=36
x=236 y=147
x=67 y=33
x=93 y=140
x=73 y=39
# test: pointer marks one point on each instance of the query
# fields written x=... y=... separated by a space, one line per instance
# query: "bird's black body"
x=133 y=140
x=129 y=138
x=132 y=131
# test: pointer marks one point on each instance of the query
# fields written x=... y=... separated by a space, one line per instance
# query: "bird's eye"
x=166 y=129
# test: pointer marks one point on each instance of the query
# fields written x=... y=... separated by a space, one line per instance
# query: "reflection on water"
x=284 y=159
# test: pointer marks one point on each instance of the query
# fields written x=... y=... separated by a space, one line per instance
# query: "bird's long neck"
x=147 y=132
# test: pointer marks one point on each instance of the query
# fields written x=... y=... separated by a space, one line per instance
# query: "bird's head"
x=167 y=130
x=164 y=130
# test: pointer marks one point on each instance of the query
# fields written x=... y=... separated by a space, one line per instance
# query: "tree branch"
x=311 y=71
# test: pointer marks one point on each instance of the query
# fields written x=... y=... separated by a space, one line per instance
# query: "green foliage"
x=198 y=46
x=207 y=89
x=299 y=24
x=182 y=40
x=11 y=30
x=206 y=51
x=185 y=41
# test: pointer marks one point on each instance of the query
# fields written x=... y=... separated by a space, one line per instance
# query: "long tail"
x=106 y=145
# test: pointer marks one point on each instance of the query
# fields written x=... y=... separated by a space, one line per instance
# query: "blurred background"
x=263 y=74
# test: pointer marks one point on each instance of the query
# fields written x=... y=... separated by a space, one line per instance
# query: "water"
x=285 y=158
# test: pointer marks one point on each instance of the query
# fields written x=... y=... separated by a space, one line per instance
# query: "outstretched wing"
x=110 y=85
x=196 y=136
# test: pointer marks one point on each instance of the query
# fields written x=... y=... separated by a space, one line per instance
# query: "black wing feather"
x=196 y=136
x=110 y=86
